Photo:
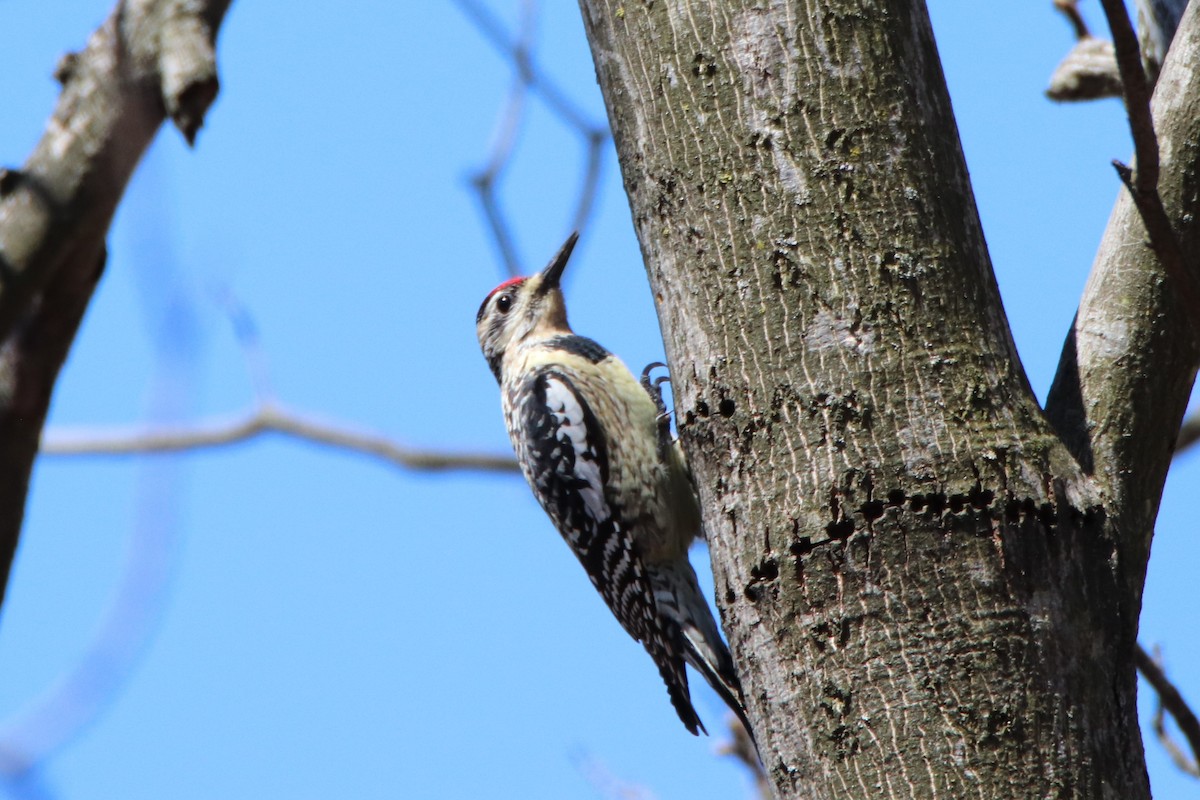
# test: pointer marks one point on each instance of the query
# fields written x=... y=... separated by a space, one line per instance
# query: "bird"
x=594 y=444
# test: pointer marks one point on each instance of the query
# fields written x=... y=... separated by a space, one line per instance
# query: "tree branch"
x=1127 y=367
x=29 y=364
x=269 y=417
x=1089 y=71
x=1142 y=182
x=1070 y=10
x=528 y=78
x=1136 y=91
x=541 y=83
x=1170 y=699
x=148 y=58
x=1162 y=237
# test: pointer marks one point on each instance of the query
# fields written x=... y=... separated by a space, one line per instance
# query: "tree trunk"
x=925 y=590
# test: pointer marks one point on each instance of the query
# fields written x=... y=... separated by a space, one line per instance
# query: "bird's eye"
x=504 y=303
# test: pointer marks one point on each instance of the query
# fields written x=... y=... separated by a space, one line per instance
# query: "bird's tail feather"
x=678 y=594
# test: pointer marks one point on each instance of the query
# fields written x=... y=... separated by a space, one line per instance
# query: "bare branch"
x=29 y=365
x=1128 y=364
x=1136 y=93
x=527 y=77
x=549 y=91
x=1180 y=759
x=1172 y=701
x=267 y=418
x=1142 y=182
x=485 y=189
x=1070 y=9
x=245 y=332
x=55 y=212
x=1189 y=434
x=593 y=165
x=114 y=97
x=1163 y=240
x=505 y=138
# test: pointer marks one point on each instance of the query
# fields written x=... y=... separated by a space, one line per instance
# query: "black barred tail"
x=674 y=675
x=724 y=682
x=678 y=596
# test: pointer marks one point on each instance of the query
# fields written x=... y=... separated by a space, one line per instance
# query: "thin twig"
x=1163 y=240
x=1137 y=94
x=486 y=192
x=269 y=417
x=1170 y=699
x=549 y=91
x=528 y=78
x=1180 y=759
x=504 y=140
x=594 y=163
x=1142 y=181
x=1070 y=9
x=245 y=333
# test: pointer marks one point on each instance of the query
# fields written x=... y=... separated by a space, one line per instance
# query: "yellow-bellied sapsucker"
x=597 y=453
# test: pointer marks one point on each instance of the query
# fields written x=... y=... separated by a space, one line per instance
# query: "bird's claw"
x=653 y=388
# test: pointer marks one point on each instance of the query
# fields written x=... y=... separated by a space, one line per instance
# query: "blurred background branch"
x=267 y=417
x=527 y=77
x=1171 y=701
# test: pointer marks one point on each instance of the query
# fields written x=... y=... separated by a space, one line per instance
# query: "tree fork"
x=923 y=589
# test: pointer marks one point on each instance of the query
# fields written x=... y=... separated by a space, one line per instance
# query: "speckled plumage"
x=586 y=434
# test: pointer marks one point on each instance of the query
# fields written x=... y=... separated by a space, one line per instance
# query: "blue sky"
x=333 y=627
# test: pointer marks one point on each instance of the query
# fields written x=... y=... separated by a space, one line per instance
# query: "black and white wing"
x=564 y=451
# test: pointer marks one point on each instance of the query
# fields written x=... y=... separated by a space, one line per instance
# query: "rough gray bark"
x=151 y=59
x=927 y=592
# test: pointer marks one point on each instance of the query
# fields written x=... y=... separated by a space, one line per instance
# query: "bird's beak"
x=554 y=270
